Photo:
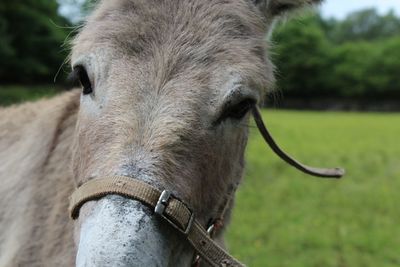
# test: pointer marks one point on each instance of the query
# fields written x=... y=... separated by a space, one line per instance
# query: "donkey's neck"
x=35 y=144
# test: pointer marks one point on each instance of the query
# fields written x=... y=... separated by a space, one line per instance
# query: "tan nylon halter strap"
x=171 y=209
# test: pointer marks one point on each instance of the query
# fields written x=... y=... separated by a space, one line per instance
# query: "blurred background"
x=337 y=103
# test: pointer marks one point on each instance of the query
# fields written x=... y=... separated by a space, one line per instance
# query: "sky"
x=340 y=8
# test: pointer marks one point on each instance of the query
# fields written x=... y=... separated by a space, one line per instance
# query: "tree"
x=349 y=71
x=32 y=34
x=383 y=74
x=358 y=57
x=365 y=25
x=302 y=58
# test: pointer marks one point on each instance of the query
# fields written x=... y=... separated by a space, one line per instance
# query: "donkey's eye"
x=237 y=111
x=83 y=78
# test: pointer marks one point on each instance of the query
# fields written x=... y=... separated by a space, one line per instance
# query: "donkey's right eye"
x=84 y=79
x=236 y=111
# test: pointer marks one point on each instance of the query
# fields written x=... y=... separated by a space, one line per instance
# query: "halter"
x=178 y=214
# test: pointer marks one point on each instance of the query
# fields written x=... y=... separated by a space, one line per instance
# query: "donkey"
x=167 y=90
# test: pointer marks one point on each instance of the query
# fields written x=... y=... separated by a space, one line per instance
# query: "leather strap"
x=319 y=172
x=170 y=208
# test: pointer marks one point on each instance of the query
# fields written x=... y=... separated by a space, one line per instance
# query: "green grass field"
x=285 y=218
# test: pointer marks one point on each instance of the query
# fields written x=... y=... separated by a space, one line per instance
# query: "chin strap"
x=175 y=212
x=323 y=173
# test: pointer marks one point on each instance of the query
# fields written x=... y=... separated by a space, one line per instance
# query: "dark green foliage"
x=31 y=38
x=358 y=57
x=300 y=55
x=384 y=72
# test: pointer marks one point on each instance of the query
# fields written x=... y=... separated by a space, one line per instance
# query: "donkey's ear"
x=276 y=8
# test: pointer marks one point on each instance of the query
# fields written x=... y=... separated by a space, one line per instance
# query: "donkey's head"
x=167 y=89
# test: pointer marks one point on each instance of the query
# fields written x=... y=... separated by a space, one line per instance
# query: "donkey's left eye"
x=84 y=79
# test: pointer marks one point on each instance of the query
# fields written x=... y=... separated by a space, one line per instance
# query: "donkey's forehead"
x=180 y=35
x=138 y=21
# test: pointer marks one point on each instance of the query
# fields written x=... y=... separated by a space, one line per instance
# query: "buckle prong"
x=162 y=202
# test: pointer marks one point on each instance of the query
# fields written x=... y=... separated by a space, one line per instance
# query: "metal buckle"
x=162 y=204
